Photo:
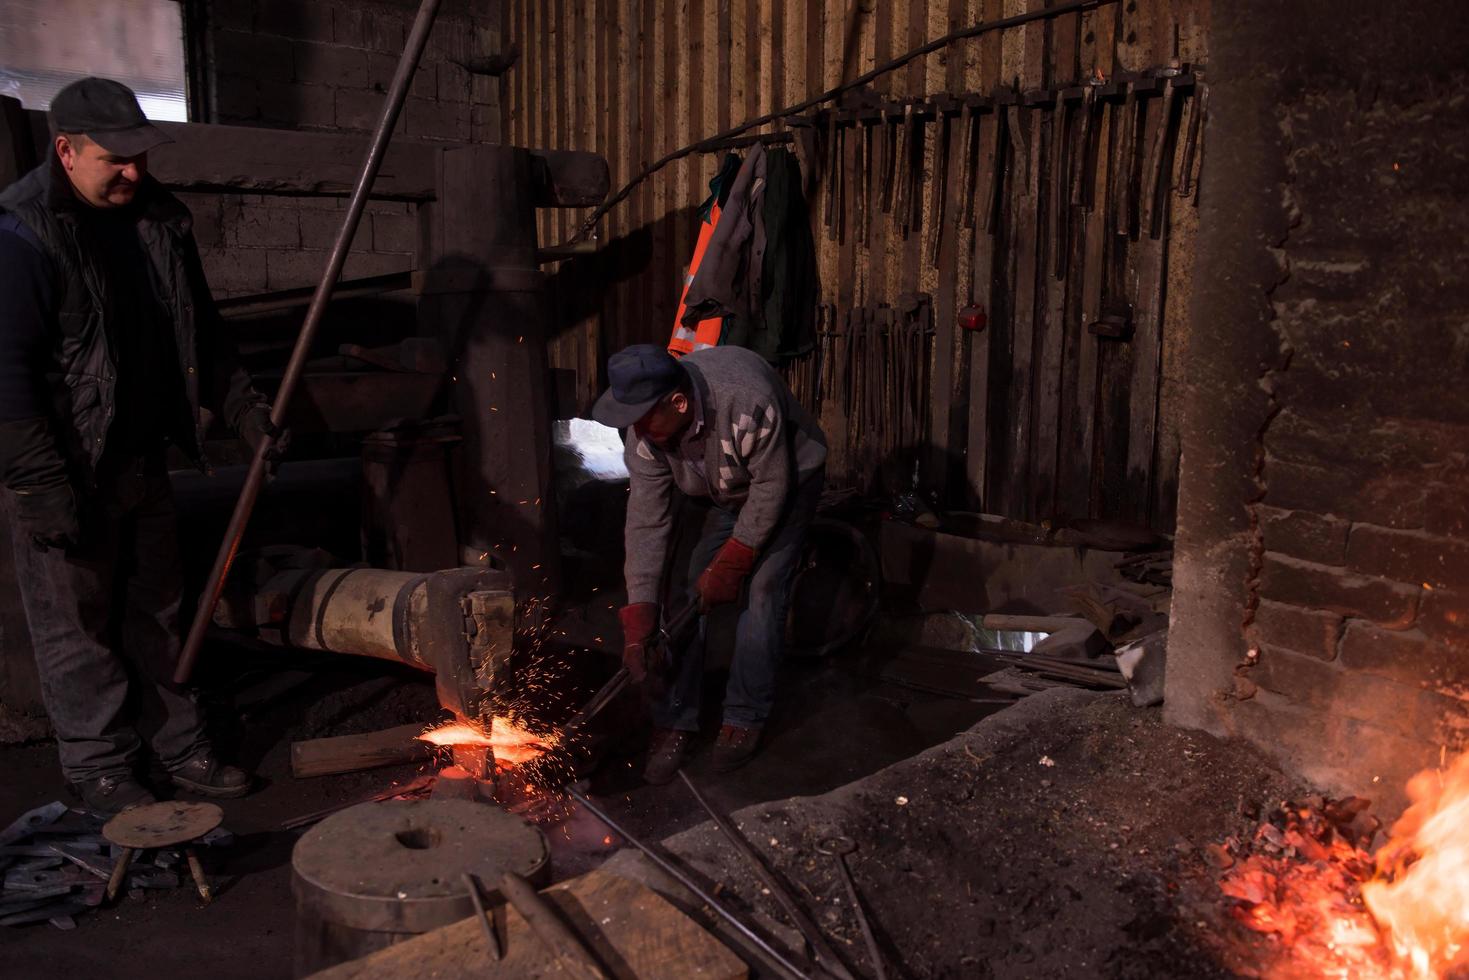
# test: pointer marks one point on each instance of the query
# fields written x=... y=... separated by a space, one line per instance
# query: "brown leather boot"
x=735 y=747
x=667 y=749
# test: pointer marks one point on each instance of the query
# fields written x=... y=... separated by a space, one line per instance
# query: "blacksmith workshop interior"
x=734 y=488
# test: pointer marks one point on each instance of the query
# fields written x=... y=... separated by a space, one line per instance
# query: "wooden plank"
x=1051 y=325
x=947 y=420
x=627 y=925
x=352 y=753
x=983 y=293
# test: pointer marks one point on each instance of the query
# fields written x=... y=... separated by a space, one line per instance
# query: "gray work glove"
x=256 y=427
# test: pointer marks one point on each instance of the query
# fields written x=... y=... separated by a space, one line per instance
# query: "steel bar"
x=838 y=848
x=255 y=479
x=491 y=940
x=683 y=878
x=825 y=955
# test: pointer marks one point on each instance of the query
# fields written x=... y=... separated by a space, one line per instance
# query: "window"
x=46 y=44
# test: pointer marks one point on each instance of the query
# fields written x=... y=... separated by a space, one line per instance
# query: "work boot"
x=112 y=794
x=735 y=746
x=667 y=748
x=205 y=775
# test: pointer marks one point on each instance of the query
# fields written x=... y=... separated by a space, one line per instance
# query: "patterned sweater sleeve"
x=758 y=438
x=649 y=520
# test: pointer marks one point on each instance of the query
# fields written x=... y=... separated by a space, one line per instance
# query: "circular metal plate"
x=162 y=824
x=398 y=866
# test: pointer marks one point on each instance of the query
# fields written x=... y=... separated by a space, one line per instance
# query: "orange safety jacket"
x=707 y=332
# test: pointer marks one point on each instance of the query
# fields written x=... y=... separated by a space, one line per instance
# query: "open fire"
x=1309 y=879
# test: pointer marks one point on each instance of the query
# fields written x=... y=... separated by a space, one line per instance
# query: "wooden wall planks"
x=1034 y=417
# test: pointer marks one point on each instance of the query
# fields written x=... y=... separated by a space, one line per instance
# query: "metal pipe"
x=683 y=878
x=397 y=92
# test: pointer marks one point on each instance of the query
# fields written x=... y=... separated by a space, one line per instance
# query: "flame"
x=1420 y=896
x=1399 y=914
x=511 y=743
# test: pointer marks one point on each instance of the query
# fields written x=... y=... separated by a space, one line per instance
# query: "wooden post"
x=483 y=295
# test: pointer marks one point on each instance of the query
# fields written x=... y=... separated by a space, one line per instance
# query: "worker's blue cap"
x=639 y=376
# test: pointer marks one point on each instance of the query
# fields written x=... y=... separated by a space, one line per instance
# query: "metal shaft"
x=397 y=92
x=491 y=940
x=873 y=952
x=682 y=877
x=819 y=946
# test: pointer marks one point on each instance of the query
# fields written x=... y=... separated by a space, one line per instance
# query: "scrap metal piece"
x=31 y=821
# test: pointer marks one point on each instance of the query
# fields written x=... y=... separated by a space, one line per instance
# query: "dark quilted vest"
x=82 y=374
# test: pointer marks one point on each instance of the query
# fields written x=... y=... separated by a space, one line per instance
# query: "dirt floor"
x=1060 y=838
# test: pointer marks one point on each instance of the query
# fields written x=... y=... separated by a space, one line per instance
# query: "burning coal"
x=1309 y=880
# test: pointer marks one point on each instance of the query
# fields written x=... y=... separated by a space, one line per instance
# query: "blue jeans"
x=104 y=621
x=761 y=626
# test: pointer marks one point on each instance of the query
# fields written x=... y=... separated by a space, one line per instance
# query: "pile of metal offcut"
x=56 y=864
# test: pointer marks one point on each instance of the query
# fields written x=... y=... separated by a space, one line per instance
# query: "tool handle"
x=546 y=923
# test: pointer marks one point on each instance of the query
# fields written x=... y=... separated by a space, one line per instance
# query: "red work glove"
x=639 y=623
x=721 y=581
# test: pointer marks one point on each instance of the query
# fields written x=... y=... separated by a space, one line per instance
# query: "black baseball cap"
x=639 y=376
x=108 y=113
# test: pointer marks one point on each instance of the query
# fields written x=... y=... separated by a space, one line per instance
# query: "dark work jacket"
x=80 y=367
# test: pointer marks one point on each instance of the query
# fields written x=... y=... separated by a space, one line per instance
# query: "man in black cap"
x=719 y=425
x=110 y=349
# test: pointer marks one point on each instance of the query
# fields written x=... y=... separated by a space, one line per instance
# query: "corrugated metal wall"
x=1036 y=417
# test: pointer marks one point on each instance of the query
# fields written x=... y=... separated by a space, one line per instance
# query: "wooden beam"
x=247 y=158
x=351 y=753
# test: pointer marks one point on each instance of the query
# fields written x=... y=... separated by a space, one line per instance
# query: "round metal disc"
x=162 y=824
x=398 y=866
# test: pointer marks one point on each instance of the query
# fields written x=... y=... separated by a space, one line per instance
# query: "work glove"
x=639 y=623
x=722 y=580
x=50 y=517
x=256 y=427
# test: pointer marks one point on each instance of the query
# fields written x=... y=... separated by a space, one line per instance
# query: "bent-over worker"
x=719 y=424
x=110 y=345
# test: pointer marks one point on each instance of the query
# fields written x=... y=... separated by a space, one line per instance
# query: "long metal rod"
x=683 y=878
x=825 y=955
x=397 y=92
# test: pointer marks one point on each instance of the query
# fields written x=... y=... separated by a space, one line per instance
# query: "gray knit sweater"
x=760 y=445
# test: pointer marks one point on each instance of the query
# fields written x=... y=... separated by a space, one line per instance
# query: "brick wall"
x=1323 y=548
x=320 y=65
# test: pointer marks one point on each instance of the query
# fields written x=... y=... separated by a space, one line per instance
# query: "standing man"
x=719 y=424
x=110 y=349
